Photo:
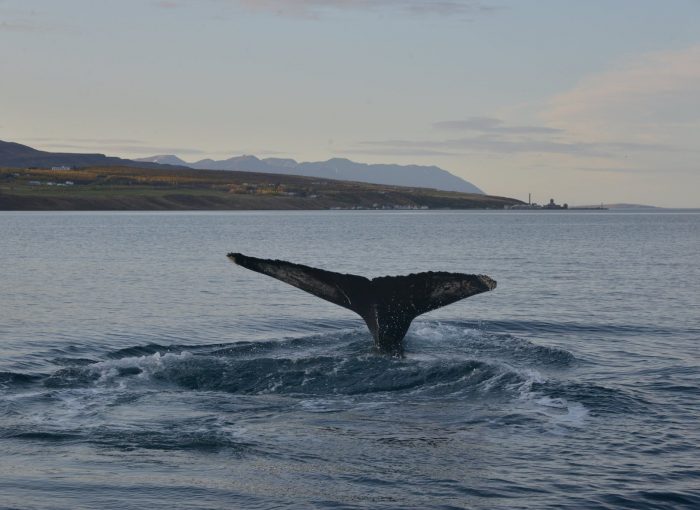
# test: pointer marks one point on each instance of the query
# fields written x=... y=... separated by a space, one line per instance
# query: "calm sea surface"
x=141 y=369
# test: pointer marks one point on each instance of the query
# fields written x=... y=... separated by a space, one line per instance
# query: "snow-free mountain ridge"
x=336 y=168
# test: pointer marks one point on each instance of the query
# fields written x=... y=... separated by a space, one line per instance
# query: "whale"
x=388 y=304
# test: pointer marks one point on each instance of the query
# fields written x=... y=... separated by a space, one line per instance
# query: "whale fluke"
x=387 y=304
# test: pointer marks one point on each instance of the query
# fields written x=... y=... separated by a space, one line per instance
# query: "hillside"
x=170 y=188
x=15 y=155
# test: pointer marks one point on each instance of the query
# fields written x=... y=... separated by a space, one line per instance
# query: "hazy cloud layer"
x=85 y=141
x=17 y=26
x=491 y=125
x=495 y=136
x=611 y=170
x=397 y=151
x=652 y=101
x=497 y=145
x=647 y=96
x=109 y=146
x=165 y=4
x=308 y=8
x=27 y=20
x=645 y=111
x=18 y=20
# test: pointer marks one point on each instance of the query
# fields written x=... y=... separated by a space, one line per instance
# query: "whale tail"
x=387 y=304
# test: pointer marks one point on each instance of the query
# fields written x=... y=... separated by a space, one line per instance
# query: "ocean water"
x=141 y=369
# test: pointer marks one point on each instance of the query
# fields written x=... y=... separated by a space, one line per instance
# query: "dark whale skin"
x=388 y=304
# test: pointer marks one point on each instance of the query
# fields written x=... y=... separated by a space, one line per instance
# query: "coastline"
x=132 y=189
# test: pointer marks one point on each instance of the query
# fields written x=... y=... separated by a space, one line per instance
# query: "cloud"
x=389 y=150
x=609 y=170
x=106 y=146
x=18 y=26
x=647 y=98
x=168 y=4
x=652 y=102
x=502 y=145
x=491 y=125
x=87 y=141
x=490 y=135
x=639 y=170
x=314 y=8
x=643 y=113
x=27 y=20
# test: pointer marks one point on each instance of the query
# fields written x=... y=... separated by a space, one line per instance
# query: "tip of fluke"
x=489 y=282
x=235 y=257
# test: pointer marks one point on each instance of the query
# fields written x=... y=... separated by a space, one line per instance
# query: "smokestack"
x=529 y=199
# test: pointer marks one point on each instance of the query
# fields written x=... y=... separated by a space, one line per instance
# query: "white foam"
x=437 y=331
x=561 y=414
x=109 y=370
x=558 y=403
x=575 y=416
x=529 y=377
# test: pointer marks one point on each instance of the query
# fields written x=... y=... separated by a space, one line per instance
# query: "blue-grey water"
x=141 y=369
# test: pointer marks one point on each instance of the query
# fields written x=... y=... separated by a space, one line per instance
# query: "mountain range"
x=15 y=155
x=337 y=168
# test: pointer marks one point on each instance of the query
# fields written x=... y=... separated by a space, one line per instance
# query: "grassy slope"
x=122 y=188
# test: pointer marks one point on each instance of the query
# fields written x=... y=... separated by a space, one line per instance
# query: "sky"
x=581 y=101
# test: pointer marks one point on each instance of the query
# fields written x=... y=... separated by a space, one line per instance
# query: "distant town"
x=552 y=205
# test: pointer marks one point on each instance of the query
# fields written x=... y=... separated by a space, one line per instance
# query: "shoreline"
x=127 y=188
